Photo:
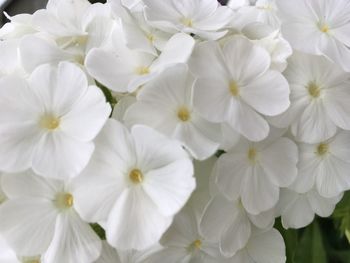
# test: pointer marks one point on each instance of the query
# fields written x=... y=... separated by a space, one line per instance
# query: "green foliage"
x=99 y=231
x=326 y=240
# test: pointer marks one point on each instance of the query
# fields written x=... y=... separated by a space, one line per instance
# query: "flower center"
x=252 y=154
x=184 y=114
x=136 y=176
x=142 y=70
x=234 y=89
x=151 y=37
x=322 y=149
x=324 y=28
x=314 y=90
x=64 y=200
x=50 y=122
x=197 y=244
x=31 y=259
x=187 y=22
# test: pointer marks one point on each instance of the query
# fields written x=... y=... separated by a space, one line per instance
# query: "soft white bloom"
x=19 y=26
x=264 y=11
x=39 y=218
x=258 y=168
x=320 y=97
x=122 y=106
x=263 y=247
x=270 y=39
x=236 y=4
x=122 y=69
x=135 y=183
x=111 y=255
x=183 y=243
x=236 y=86
x=204 y=18
x=9 y=59
x=49 y=123
x=325 y=165
x=7 y=254
x=298 y=210
x=166 y=104
x=318 y=27
x=138 y=34
x=229 y=223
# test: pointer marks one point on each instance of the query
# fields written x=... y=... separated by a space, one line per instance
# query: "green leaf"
x=99 y=231
x=290 y=237
x=341 y=216
x=311 y=247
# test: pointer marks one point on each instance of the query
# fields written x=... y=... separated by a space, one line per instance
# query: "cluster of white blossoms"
x=177 y=131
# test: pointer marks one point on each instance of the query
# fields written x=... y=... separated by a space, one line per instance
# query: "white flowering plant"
x=177 y=131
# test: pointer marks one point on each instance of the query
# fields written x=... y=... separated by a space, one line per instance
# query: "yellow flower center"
x=136 y=176
x=197 y=244
x=314 y=90
x=252 y=154
x=142 y=70
x=151 y=37
x=184 y=114
x=187 y=22
x=31 y=259
x=50 y=122
x=234 y=89
x=322 y=149
x=64 y=200
x=324 y=28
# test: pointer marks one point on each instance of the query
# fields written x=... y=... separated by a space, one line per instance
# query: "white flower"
x=135 y=183
x=7 y=254
x=39 y=218
x=263 y=247
x=75 y=25
x=111 y=255
x=138 y=34
x=19 y=26
x=270 y=39
x=298 y=210
x=318 y=27
x=183 y=243
x=49 y=123
x=325 y=165
x=229 y=223
x=122 y=69
x=204 y=18
x=235 y=86
x=9 y=59
x=166 y=104
x=256 y=171
x=320 y=97
x=264 y=11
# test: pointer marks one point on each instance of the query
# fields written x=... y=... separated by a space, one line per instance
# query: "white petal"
x=230 y=170
x=322 y=206
x=297 y=213
x=268 y=94
x=59 y=156
x=266 y=247
x=177 y=50
x=127 y=226
x=265 y=196
x=27 y=184
x=336 y=51
x=340 y=146
x=28 y=224
x=216 y=217
x=74 y=241
x=154 y=150
x=170 y=187
x=248 y=122
x=333 y=177
x=236 y=236
x=336 y=106
x=35 y=51
x=87 y=117
x=314 y=124
x=279 y=162
x=245 y=60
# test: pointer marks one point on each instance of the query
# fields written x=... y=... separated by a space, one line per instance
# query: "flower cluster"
x=151 y=131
